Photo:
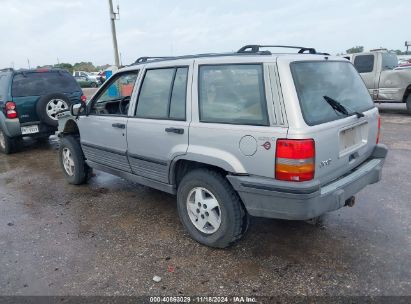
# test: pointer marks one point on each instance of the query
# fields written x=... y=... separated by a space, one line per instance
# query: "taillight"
x=83 y=98
x=10 y=109
x=379 y=129
x=295 y=160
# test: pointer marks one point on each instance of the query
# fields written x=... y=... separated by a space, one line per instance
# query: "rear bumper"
x=12 y=128
x=264 y=197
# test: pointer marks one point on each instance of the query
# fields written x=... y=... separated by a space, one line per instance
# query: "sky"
x=52 y=31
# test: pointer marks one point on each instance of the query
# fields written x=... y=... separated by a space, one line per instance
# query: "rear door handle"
x=118 y=125
x=175 y=130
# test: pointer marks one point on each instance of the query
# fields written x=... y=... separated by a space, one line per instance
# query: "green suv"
x=30 y=101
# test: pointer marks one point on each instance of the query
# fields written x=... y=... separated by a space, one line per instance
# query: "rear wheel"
x=210 y=210
x=6 y=143
x=408 y=101
x=72 y=161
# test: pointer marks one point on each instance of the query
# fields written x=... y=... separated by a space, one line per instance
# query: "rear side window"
x=364 y=63
x=163 y=94
x=336 y=79
x=3 y=87
x=41 y=83
x=232 y=94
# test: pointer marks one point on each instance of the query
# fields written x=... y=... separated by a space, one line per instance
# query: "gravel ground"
x=111 y=237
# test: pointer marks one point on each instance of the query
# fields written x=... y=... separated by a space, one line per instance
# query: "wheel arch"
x=70 y=127
x=406 y=93
x=183 y=164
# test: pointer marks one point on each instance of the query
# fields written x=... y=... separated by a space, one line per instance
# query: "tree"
x=355 y=49
x=66 y=66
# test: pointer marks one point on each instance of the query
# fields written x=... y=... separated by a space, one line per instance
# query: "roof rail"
x=7 y=70
x=255 y=49
x=145 y=59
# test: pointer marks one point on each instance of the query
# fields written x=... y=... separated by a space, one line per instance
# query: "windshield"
x=339 y=80
x=389 y=61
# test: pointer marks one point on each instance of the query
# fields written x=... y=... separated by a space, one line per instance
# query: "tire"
x=212 y=186
x=408 y=101
x=74 y=167
x=94 y=85
x=6 y=143
x=49 y=105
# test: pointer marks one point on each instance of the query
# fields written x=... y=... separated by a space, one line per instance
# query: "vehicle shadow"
x=392 y=108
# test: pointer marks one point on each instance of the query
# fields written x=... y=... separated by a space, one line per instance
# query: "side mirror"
x=77 y=109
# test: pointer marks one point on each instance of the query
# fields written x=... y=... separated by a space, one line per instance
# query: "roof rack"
x=145 y=59
x=255 y=49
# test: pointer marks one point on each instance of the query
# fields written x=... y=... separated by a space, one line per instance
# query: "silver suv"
x=287 y=136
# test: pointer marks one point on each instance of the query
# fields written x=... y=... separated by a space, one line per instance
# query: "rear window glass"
x=36 y=84
x=232 y=94
x=337 y=80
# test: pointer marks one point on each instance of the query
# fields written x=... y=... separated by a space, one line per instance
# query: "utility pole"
x=113 y=18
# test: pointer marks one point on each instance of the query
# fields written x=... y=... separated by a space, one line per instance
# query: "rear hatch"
x=342 y=142
x=29 y=86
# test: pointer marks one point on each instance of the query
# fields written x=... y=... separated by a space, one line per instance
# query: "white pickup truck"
x=383 y=81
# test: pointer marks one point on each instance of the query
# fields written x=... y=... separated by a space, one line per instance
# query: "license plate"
x=353 y=138
x=29 y=129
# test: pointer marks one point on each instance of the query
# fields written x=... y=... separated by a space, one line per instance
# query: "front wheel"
x=72 y=161
x=210 y=210
x=6 y=143
x=408 y=101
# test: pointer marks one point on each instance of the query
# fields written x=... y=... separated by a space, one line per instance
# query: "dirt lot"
x=111 y=237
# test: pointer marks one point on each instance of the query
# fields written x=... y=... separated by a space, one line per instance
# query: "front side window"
x=364 y=63
x=232 y=94
x=163 y=94
x=335 y=79
x=114 y=99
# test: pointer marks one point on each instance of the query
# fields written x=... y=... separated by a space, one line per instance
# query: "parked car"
x=287 y=136
x=86 y=82
x=30 y=101
x=384 y=81
x=88 y=75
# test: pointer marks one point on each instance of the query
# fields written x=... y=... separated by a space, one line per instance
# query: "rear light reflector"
x=10 y=109
x=83 y=98
x=379 y=129
x=295 y=160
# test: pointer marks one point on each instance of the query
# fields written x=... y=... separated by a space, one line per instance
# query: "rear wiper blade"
x=340 y=108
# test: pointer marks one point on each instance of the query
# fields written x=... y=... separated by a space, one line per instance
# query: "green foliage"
x=78 y=66
x=355 y=49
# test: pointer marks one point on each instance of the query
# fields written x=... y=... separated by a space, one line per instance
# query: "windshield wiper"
x=340 y=108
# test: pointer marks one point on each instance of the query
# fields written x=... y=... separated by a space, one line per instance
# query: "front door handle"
x=175 y=130
x=118 y=125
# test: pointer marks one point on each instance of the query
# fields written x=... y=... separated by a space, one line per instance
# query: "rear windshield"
x=36 y=84
x=337 y=80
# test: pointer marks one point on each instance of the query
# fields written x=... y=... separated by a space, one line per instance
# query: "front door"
x=158 y=132
x=104 y=130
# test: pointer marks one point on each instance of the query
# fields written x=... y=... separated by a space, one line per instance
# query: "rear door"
x=104 y=132
x=158 y=131
x=28 y=87
x=341 y=142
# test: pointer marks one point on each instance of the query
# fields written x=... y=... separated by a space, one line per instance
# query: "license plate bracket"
x=352 y=138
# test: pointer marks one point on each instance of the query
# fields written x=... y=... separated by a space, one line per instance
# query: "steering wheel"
x=123 y=105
